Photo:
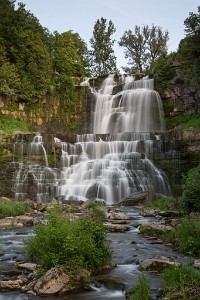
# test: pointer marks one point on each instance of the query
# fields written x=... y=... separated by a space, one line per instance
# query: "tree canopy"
x=143 y=46
x=189 y=50
x=103 y=60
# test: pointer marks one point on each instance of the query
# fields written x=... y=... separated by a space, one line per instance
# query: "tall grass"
x=141 y=291
x=181 y=282
x=10 y=208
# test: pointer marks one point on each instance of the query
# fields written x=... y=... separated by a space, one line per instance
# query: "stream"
x=129 y=249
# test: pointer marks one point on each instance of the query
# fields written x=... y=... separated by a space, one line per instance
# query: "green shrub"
x=9 y=208
x=191 y=190
x=97 y=212
x=164 y=203
x=69 y=242
x=179 y=282
x=185 y=237
x=141 y=291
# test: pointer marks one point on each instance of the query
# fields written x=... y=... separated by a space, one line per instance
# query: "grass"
x=141 y=291
x=185 y=121
x=185 y=237
x=9 y=125
x=11 y=208
x=181 y=282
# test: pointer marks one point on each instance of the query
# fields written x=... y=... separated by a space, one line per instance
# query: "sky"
x=81 y=15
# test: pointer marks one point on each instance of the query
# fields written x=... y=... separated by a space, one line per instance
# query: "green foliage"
x=143 y=46
x=102 y=56
x=185 y=237
x=191 y=190
x=9 y=208
x=9 y=125
x=163 y=71
x=164 y=203
x=140 y=291
x=180 y=281
x=69 y=242
x=95 y=207
x=189 y=51
x=185 y=120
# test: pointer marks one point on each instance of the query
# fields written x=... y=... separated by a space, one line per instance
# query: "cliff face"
x=52 y=114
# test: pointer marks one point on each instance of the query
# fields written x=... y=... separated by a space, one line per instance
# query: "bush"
x=164 y=203
x=9 y=208
x=70 y=243
x=186 y=236
x=180 y=281
x=191 y=190
x=141 y=291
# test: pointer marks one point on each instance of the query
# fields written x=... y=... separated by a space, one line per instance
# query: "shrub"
x=97 y=212
x=180 y=281
x=141 y=291
x=70 y=243
x=186 y=236
x=9 y=208
x=164 y=203
x=191 y=190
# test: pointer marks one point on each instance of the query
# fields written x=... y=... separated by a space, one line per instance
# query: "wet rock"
x=115 y=283
x=150 y=212
x=157 y=264
x=111 y=215
x=28 y=266
x=12 y=284
x=116 y=227
x=170 y=213
x=196 y=263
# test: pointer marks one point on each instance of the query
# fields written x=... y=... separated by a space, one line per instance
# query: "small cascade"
x=114 y=161
x=33 y=178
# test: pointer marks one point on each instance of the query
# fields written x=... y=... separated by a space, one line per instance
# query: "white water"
x=116 y=159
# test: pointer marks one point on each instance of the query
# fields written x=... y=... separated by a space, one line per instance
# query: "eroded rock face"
x=157 y=264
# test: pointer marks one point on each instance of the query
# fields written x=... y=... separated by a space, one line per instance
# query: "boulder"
x=157 y=264
x=116 y=227
x=158 y=227
x=137 y=198
x=111 y=215
x=57 y=281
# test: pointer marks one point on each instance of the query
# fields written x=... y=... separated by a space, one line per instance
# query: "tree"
x=103 y=60
x=69 y=58
x=189 y=51
x=192 y=23
x=9 y=79
x=143 y=46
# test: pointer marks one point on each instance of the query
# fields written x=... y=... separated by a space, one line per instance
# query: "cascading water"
x=115 y=160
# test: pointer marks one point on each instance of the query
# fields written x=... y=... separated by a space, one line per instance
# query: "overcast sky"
x=81 y=15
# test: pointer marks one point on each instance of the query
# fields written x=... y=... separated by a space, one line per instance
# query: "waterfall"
x=113 y=161
x=116 y=159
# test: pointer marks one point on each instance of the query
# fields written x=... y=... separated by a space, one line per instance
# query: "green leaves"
x=103 y=60
x=65 y=241
x=143 y=46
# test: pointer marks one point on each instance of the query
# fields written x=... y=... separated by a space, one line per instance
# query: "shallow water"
x=129 y=249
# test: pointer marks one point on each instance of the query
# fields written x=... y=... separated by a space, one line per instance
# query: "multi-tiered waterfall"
x=112 y=162
x=116 y=159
